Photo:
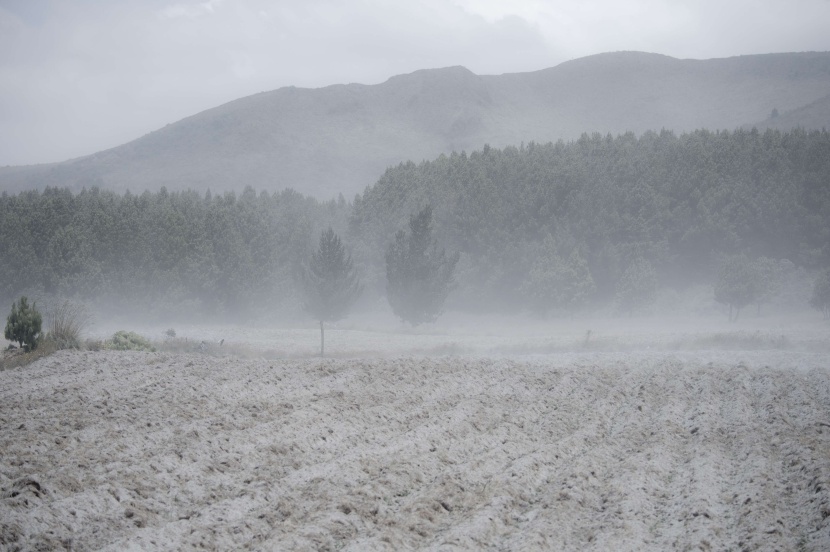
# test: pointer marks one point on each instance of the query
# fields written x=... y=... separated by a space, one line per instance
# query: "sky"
x=81 y=76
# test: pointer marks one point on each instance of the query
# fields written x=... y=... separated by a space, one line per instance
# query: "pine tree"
x=330 y=283
x=24 y=324
x=419 y=276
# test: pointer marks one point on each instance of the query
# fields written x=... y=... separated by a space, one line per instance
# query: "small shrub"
x=67 y=320
x=170 y=333
x=24 y=324
x=128 y=341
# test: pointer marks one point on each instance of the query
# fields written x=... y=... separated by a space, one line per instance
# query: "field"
x=463 y=439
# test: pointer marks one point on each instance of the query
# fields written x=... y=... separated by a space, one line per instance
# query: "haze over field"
x=660 y=174
x=568 y=267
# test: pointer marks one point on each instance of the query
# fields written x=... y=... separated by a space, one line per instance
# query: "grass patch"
x=17 y=357
x=66 y=322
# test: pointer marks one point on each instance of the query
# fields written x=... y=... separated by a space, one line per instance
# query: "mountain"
x=815 y=115
x=340 y=139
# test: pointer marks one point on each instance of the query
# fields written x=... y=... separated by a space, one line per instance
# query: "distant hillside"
x=339 y=139
x=811 y=116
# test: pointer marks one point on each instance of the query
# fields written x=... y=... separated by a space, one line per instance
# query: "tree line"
x=586 y=217
x=161 y=253
x=548 y=227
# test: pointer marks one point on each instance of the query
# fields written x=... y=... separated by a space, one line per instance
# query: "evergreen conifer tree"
x=330 y=283
x=419 y=276
x=24 y=324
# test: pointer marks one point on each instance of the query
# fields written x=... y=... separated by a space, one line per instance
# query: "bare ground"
x=571 y=451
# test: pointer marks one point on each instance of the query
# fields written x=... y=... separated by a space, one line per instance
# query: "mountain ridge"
x=340 y=138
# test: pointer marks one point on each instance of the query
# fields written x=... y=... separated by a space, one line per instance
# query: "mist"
x=626 y=226
x=495 y=297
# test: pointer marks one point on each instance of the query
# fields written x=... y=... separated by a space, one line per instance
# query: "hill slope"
x=340 y=138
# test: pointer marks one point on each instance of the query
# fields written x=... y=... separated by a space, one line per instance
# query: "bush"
x=128 y=341
x=67 y=320
x=24 y=324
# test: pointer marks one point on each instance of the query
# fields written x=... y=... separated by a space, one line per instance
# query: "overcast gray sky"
x=80 y=76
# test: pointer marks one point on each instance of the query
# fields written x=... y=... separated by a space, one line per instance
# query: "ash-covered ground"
x=466 y=440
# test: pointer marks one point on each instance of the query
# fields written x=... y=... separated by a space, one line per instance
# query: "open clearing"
x=587 y=450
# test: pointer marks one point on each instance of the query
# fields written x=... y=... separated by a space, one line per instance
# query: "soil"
x=586 y=450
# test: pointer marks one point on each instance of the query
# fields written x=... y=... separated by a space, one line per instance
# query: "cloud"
x=190 y=10
x=701 y=29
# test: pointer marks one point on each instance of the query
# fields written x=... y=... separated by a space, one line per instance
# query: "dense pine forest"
x=681 y=203
x=600 y=211
x=162 y=253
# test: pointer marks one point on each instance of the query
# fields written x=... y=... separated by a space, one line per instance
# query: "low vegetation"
x=67 y=321
x=127 y=341
x=17 y=357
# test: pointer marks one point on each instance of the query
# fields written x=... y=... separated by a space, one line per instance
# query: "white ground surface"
x=634 y=442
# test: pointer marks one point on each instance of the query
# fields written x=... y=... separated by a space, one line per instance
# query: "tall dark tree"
x=330 y=283
x=419 y=276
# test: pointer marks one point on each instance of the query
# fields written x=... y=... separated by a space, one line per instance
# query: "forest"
x=576 y=222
